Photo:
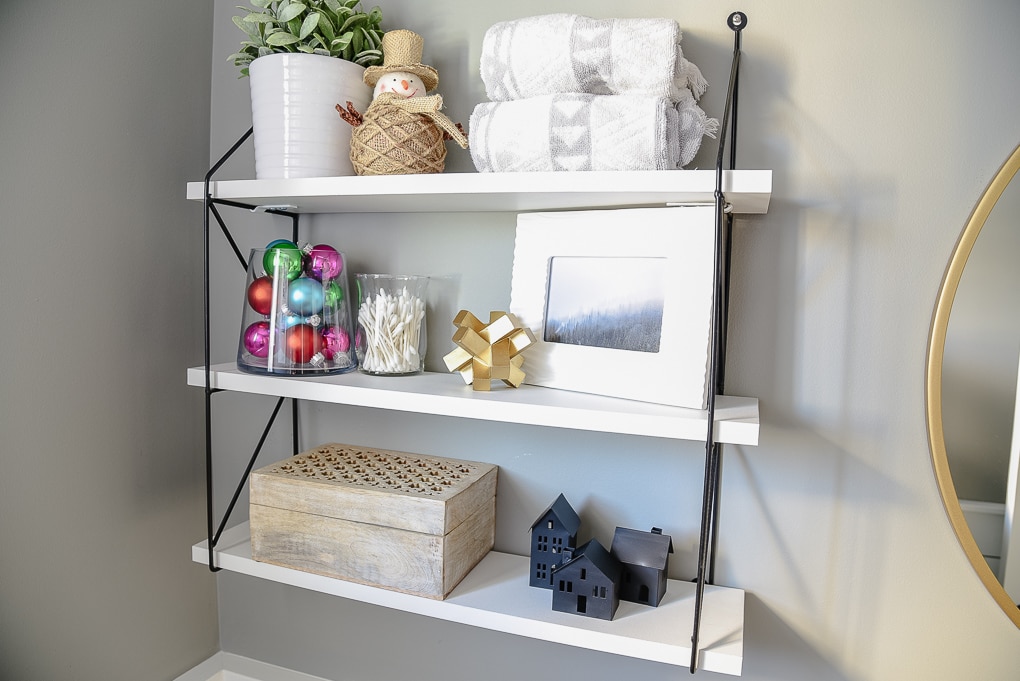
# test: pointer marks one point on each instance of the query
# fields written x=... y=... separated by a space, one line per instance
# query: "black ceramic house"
x=644 y=557
x=553 y=531
x=588 y=583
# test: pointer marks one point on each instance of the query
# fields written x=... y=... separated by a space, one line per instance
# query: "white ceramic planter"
x=298 y=132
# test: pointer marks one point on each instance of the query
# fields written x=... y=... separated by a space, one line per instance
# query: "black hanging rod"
x=737 y=21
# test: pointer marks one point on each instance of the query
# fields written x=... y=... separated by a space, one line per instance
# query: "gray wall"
x=103 y=117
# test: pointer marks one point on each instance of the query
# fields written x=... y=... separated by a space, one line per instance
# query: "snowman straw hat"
x=402 y=52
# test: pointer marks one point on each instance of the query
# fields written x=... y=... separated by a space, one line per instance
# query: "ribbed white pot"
x=298 y=132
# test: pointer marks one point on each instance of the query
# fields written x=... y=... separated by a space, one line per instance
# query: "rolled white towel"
x=587 y=132
x=559 y=53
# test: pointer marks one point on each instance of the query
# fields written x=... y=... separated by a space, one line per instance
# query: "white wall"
x=104 y=110
x=882 y=123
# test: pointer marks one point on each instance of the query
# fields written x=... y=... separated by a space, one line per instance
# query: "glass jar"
x=297 y=314
x=391 y=337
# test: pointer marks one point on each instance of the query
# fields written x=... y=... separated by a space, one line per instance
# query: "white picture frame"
x=553 y=251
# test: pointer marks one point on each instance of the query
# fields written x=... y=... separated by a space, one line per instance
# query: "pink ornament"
x=335 y=341
x=256 y=339
x=324 y=262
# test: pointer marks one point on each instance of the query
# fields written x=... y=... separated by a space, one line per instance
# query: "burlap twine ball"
x=393 y=141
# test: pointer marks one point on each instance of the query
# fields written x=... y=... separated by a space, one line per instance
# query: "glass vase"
x=297 y=313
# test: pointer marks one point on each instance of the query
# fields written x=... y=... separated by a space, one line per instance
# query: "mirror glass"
x=972 y=382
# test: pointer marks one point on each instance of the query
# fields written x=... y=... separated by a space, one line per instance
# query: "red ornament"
x=302 y=343
x=260 y=295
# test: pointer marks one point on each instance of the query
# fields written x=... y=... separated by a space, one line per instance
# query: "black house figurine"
x=645 y=560
x=588 y=583
x=553 y=531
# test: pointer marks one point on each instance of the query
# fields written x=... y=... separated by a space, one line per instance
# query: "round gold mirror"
x=970 y=418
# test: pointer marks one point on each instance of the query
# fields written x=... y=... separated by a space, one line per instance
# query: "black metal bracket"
x=210 y=209
x=737 y=21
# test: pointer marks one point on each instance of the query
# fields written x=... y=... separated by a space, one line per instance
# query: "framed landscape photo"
x=620 y=301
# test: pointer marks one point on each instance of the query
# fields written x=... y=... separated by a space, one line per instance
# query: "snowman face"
x=400 y=82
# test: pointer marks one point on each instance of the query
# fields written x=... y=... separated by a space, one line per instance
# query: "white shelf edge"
x=496 y=596
x=223 y=666
x=737 y=420
x=748 y=191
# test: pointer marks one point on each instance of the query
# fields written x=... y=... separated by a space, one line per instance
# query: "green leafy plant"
x=333 y=28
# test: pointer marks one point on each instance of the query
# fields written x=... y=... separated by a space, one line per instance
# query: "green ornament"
x=333 y=294
x=283 y=257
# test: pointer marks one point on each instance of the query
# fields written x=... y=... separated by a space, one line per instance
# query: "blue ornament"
x=305 y=297
x=289 y=320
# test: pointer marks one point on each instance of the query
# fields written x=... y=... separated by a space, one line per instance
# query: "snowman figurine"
x=402 y=131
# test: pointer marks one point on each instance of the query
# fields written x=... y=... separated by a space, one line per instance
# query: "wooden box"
x=410 y=523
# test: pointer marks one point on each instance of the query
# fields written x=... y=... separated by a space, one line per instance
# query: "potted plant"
x=320 y=49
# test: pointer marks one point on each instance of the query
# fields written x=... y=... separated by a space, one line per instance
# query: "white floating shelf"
x=747 y=191
x=496 y=596
x=223 y=666
x=445 y=394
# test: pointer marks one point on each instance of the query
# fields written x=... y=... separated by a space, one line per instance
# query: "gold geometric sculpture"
x=489 y=351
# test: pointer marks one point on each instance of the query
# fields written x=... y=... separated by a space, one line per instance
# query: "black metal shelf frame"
x=708 y=539
x=210 y=209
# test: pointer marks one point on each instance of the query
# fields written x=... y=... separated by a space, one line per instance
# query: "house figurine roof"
x=564 y=511
x=600 y=559
x=648 y=549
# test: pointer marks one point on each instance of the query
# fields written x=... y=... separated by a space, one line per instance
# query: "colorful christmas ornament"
x=288 y=320
x=323 y=262
x=260 y=295
x=256 y=339
x=305 y=297
x=335 y=341
x=284 y=255
x=302 y=343
x=332 y=295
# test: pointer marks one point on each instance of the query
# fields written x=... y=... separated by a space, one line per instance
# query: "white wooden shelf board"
x=445 y=394
x=224 y=666
x=748 y=191
x=495 y=595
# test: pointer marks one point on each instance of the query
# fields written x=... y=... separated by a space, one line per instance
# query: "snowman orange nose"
x=405 y=84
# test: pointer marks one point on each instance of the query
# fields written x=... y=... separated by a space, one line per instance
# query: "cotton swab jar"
x=391 y=338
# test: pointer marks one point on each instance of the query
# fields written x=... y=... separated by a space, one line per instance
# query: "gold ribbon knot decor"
x=489 y=351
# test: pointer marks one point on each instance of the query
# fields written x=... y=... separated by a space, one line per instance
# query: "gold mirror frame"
x=933 y=381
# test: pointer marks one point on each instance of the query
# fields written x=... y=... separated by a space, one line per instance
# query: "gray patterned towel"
x=558 y=53
x=587 y=132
